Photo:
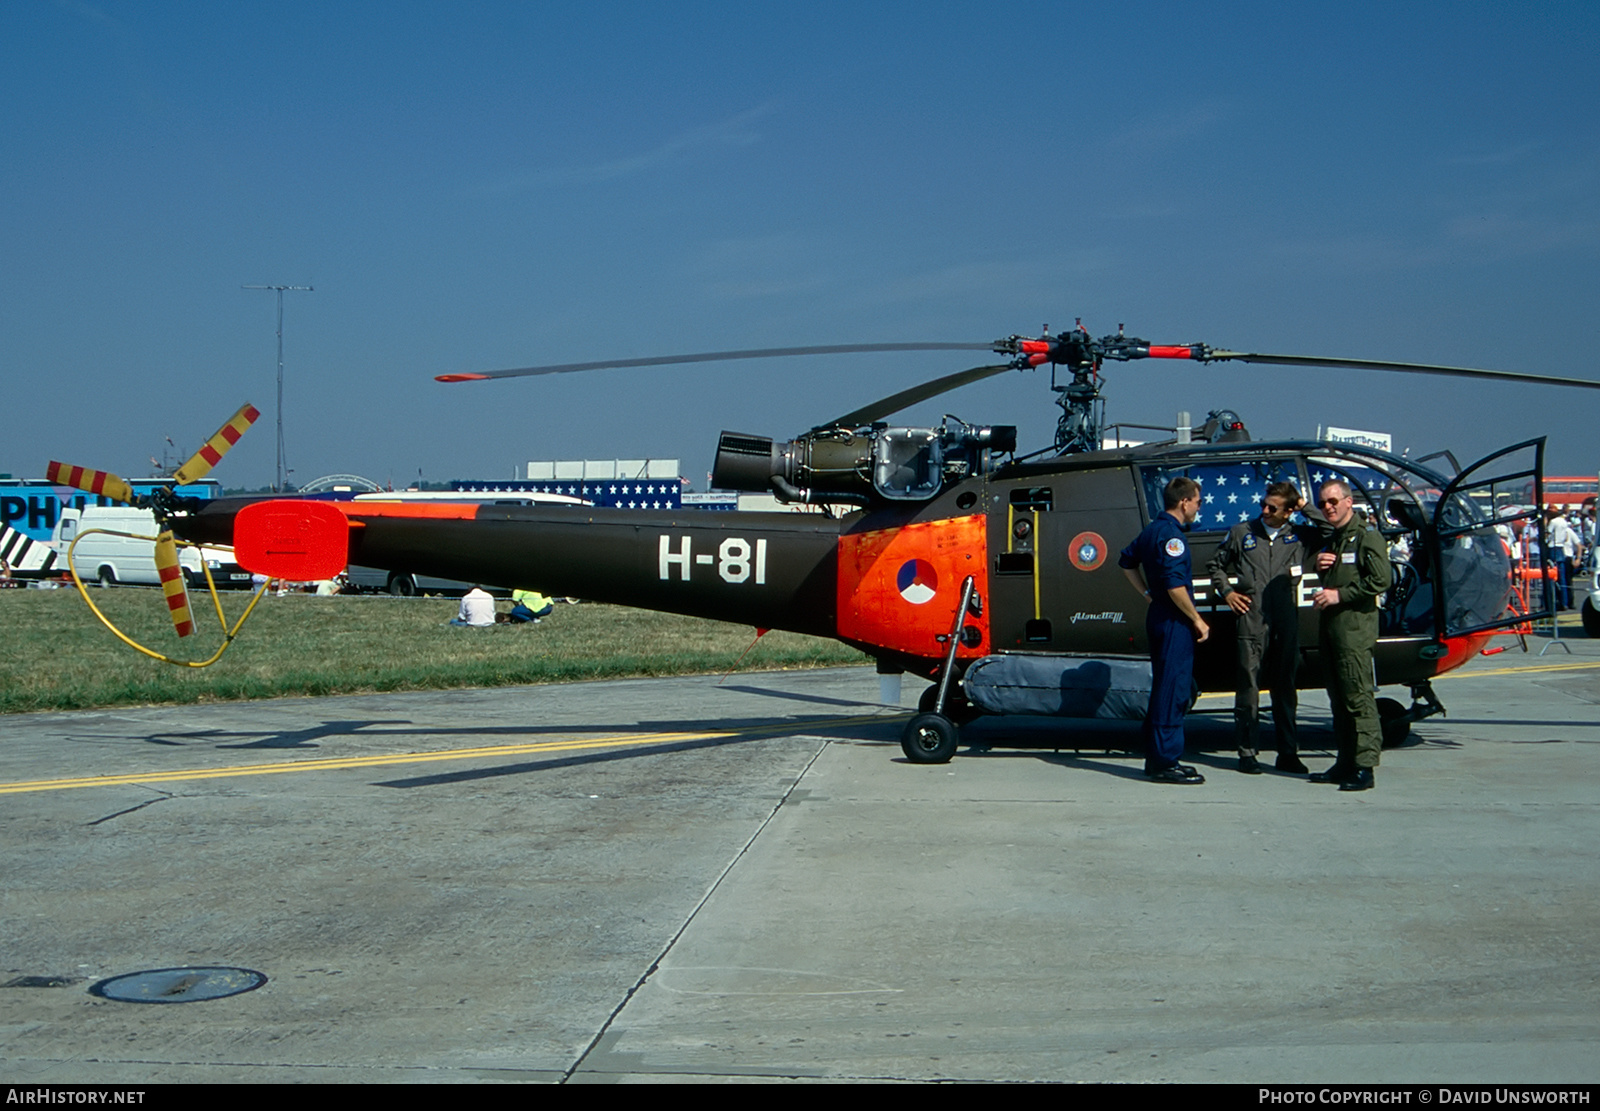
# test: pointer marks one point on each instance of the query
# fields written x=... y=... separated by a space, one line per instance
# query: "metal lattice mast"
x=278 y=483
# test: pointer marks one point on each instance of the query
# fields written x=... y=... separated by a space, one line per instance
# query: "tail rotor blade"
x=201 y=462
x=172 y=584
x=95 y=482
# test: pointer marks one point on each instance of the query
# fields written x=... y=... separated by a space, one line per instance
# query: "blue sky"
x=487 y=185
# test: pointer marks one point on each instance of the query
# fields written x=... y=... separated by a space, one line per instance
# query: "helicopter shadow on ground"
x=589 y=759
x=884 y=730
x=795 y=696
x=740 y=731
x=883 y=733
x=308 y=737
x=232 y=738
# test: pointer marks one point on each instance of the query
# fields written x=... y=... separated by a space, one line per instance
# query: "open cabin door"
x=1481 y=517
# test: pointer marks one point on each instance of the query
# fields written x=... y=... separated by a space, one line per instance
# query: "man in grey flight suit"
x=1264 y=558
x=1354 y=570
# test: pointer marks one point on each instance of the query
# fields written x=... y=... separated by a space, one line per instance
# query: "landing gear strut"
x=931 y=737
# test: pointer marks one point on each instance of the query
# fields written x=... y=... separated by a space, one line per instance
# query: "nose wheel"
x=930 y=739
x=1395 y=721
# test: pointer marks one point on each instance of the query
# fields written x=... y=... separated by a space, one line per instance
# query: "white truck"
x=113 y=560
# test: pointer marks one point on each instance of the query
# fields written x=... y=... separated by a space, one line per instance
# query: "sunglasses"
x=1326 y=502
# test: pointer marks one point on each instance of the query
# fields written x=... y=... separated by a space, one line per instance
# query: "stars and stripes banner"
x=613 y=493
x=1232 y=492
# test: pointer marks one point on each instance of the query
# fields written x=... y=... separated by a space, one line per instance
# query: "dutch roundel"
x=917 y=580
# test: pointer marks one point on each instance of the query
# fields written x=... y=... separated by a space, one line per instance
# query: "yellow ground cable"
x=227 y=634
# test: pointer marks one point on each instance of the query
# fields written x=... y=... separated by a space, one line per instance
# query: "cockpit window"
x=1370 y=488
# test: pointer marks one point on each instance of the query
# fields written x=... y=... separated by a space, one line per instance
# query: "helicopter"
x=944 y=553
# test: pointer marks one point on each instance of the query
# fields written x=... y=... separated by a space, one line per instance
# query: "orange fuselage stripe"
x=459 y=511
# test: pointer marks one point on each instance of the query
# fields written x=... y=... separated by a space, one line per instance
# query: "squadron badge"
x=1174 y=547
x=1087 y=551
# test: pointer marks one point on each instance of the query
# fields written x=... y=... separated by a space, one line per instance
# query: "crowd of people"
x=1567 y=534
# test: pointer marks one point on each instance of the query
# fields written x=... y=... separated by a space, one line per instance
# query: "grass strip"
x=54 y=655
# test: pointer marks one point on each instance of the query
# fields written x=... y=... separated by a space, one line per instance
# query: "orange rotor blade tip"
x=460 y=377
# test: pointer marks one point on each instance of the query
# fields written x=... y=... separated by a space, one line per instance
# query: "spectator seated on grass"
x=477 y=609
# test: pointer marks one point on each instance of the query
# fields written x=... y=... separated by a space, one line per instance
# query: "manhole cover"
x=178 y=985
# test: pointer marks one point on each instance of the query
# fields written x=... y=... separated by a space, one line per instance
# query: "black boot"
x=1361 y=780
x=1336 y=774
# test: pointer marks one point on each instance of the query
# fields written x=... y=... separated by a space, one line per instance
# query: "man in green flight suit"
x=1257 y=572
x=1353 y=568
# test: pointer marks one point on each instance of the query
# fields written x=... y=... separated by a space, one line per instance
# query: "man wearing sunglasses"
x=1257 y=572
x=1353 y=568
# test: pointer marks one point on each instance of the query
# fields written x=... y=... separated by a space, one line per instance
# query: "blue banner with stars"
x=613 y=493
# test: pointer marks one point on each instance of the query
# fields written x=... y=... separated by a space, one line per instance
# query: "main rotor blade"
x=1406 y=368
x=897 y=401
x=715 y=357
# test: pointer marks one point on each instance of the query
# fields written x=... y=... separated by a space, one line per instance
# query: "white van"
x=122 y=559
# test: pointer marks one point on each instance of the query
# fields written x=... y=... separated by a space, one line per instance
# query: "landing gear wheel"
x=402 y=586
x=929 y=739
x=1591 y=617
x=956 y=706
x=1396 y=726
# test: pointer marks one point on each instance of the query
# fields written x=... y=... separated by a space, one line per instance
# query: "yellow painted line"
x=1458 y=674
x=341 y=763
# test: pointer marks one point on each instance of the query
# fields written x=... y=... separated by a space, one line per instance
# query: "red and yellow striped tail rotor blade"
x=172 y=584
x=95 y=482
x=201 y=462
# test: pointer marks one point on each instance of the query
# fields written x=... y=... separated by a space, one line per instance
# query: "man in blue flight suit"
x=1157 y=564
